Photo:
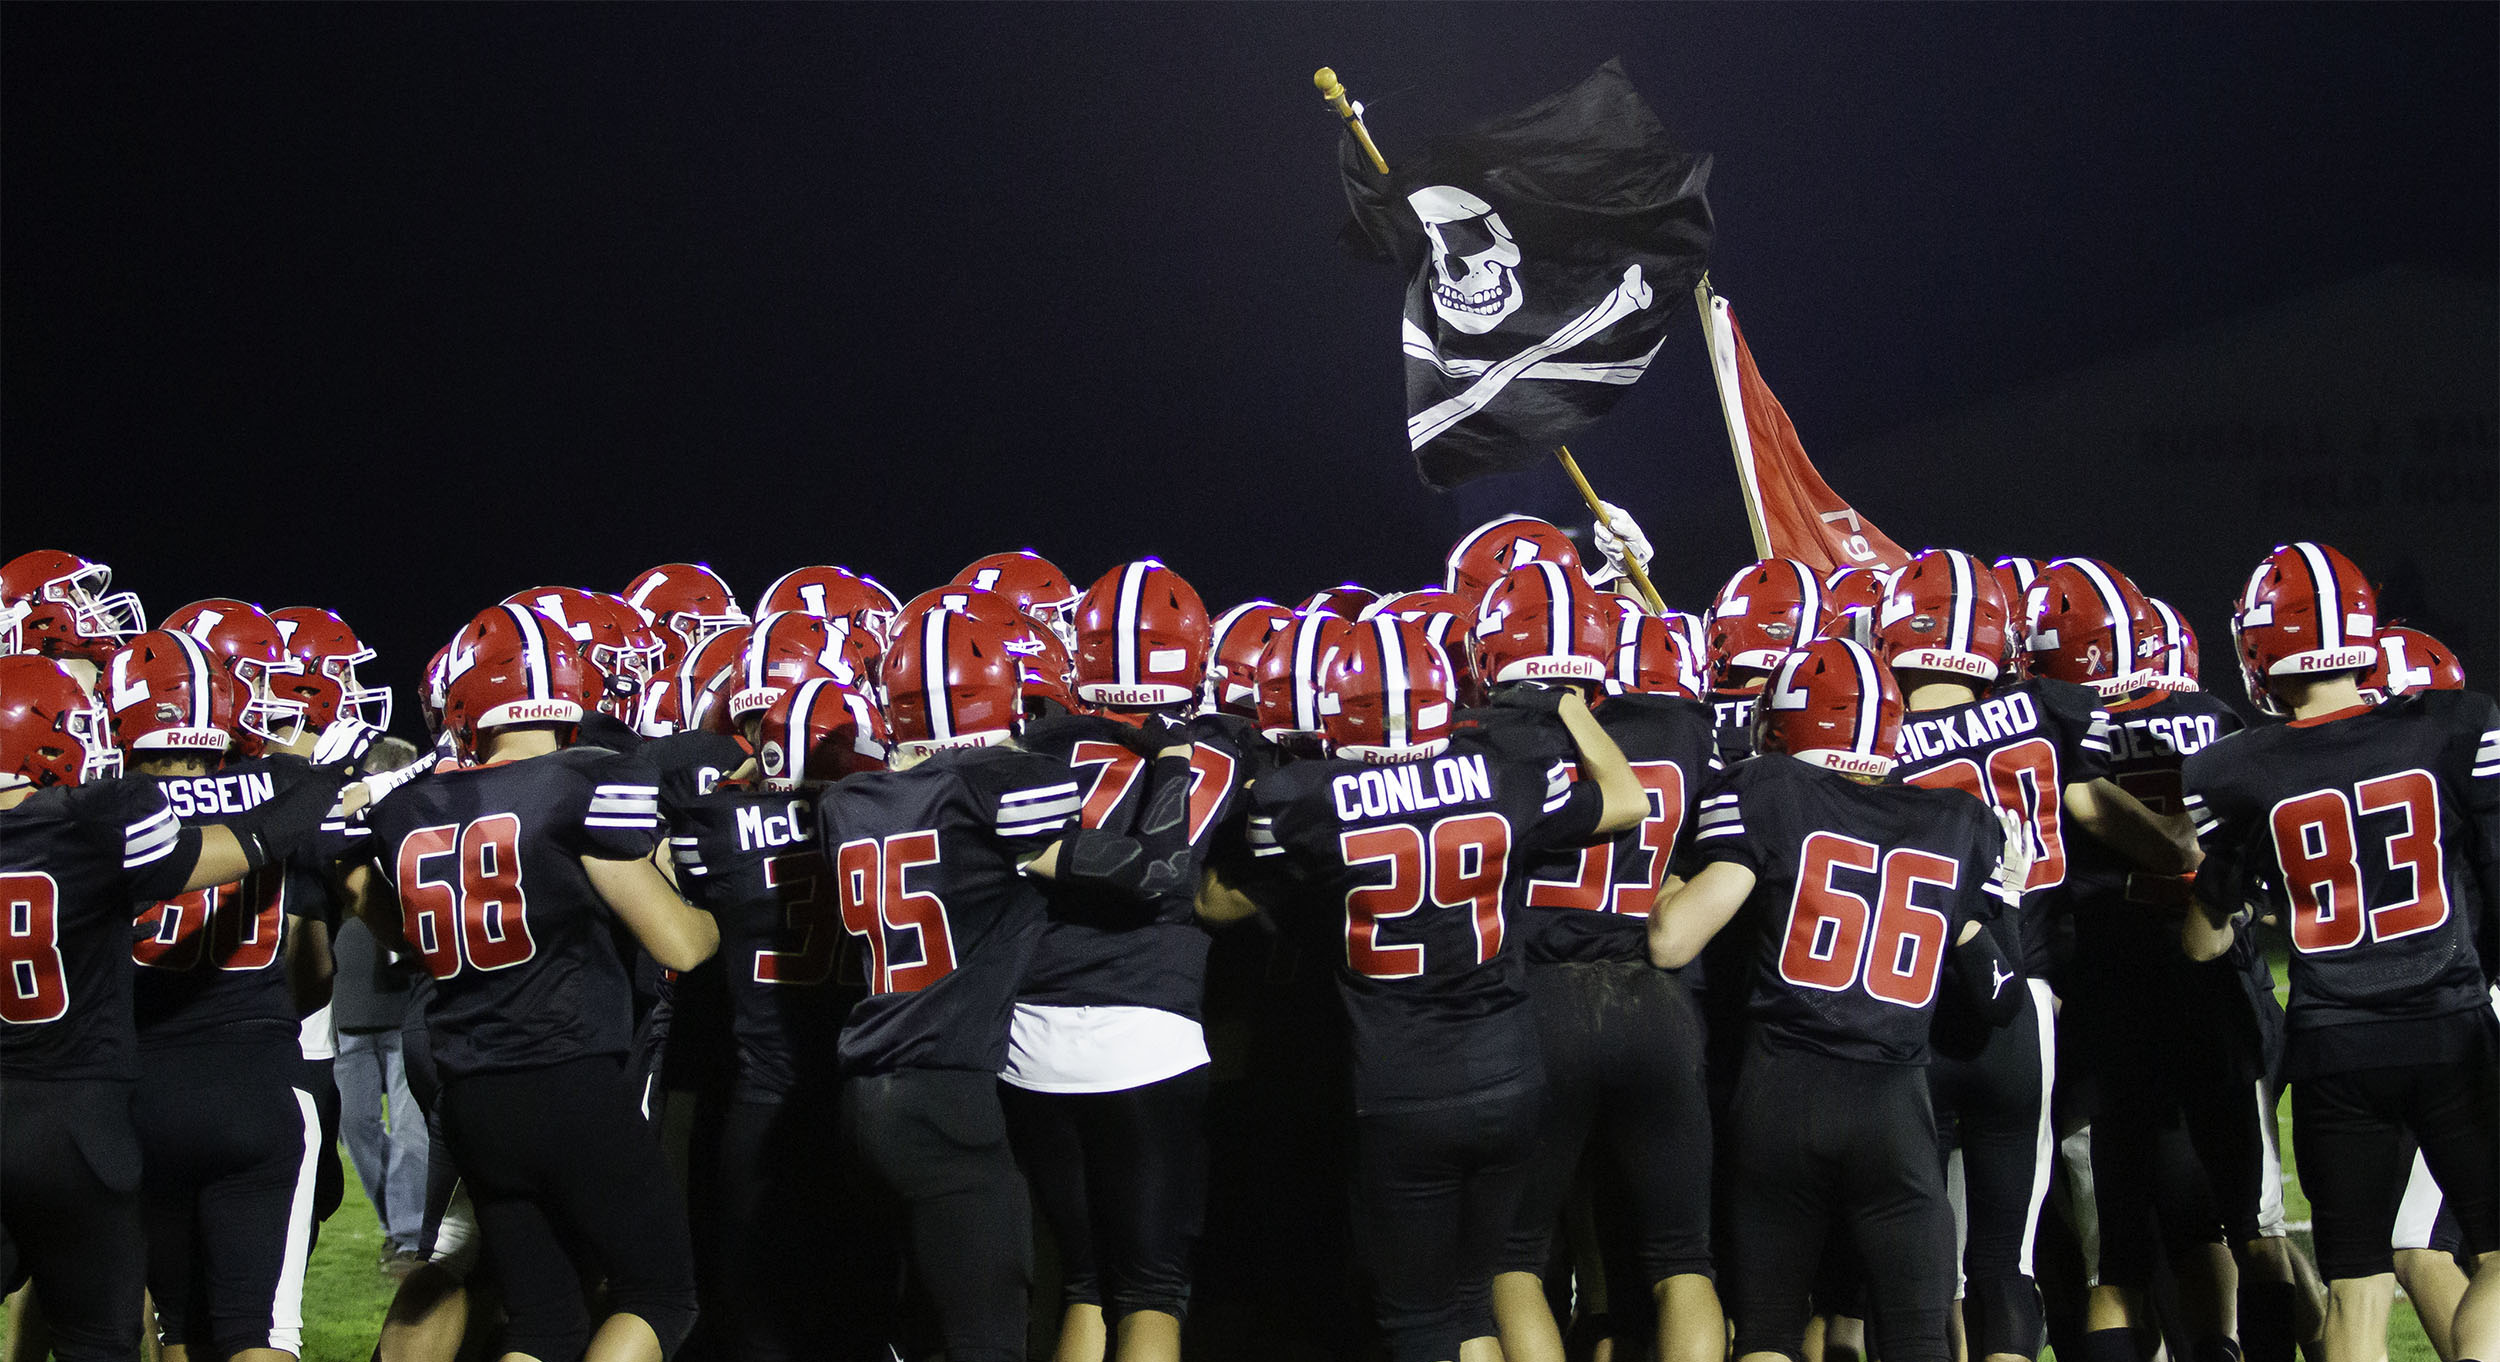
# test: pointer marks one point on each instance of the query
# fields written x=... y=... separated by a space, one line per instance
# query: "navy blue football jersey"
x=791 y=972
x=1731 y=724
x=691 y=765
x=2149 y=741
x=487 y=864
x=928 y=867
x=2374 y=833
x=73 y=859
x=1592 y=903
x=2017 y=749
x=1422 y=862
x=1859 y=893
x=213 y=961
x=1101 y=949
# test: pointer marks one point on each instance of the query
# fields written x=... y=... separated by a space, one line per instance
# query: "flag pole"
x=1732 y=406
x=1631 y=565
x=1329 y=89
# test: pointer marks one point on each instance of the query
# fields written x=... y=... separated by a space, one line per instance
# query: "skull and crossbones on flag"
x=1547 y=253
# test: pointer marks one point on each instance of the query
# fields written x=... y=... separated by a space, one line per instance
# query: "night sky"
x=398 y=309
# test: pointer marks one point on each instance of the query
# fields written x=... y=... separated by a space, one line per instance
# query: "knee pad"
x=2003 y=1316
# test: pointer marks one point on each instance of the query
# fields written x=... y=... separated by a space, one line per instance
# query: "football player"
x=938 y=865
x=748 y=855
x=1032 y=584
x=2377 y=833
x=1483 y=554
x=1107 y=1065
x=505 y=878
x=1621 y=1041
x=65 y=609
x=1858 y=892
x=1419 y=845
x=1762 y=612
x=2040 y=751
x=688 y=602
x=76 y=850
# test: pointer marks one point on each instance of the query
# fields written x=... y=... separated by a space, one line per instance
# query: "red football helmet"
x=1387 y=694
x=51 y=731
x=2090 y=625
x=1763 y=611
x=168 y=694
x=1241 y=634
x=1291 y=668
x=1030 y=582
x=1477 y=561
x=254 y=651
x=1943 y=612
x=2178 y=669
x=1346 y=601
x=1852 y=595
x=818 y=733
x=330 y=651
x=2014 y=578
x=2408 y=661
x=1443 y=620
x=1141 y=638
x=1542 y=622
x=1049 y=673
x=13 y=626
x=614 y=637
x=1652 y=658
x=834 y=593
x=69 y=611
x=782 y=650
x=512 y=665
x=693 y=681
x=952 y=681
x=688 y=602
x=1835 y=704
x=435 y=693
x=2307 y=611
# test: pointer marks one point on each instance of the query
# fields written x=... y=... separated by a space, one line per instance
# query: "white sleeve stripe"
x=154 y=839
x=1029 y=829
x=135 y=859
x=1039 y=794
x=1556 y=803
x=625 y=801
x=636 y=824
x=1729 y=830
x=1267 y=851
x=1719 y=799
x=2491 y=770
x=625 y=789
x=2093 y=744
x=1067 y=803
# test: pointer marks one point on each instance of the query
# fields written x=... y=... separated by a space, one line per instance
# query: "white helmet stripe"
x=1395 y=721
x=1870 y=697
x=1810 y=598
x=803 y=725
x=933 y=673
x=2122 y=623
x=1458 y=551
x=534 y=639
x=1965 y=592
x=2173 y=639
x=2330 y=600
x=1132 y=586
x=1306 y=675
x=1557 y=608
x=196 y=663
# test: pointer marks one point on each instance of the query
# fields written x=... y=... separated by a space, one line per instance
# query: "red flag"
x=1795 y=513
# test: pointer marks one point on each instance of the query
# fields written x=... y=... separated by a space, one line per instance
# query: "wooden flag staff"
x=1333 y=91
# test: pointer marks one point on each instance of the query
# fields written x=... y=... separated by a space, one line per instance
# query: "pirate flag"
x=1548 y=251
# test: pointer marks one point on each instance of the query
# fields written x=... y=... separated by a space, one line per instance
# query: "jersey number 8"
x=2319 y=847
x=472 y=912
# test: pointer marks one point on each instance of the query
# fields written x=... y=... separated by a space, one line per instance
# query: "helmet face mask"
x=51 y=731
x=63 y=606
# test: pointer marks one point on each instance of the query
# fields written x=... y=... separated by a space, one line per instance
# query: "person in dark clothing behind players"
x=1421 y=844
x=2377 y=832
x=1621 y=1041
x=749 y=856
x=1858 y=894
x=505 y=877
x=76 y=851
x=936 y=864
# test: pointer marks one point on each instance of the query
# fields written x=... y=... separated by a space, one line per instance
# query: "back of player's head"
x=1764 y=610
x=2409 y=661
x=1291 y=668
x=168 y=696
x=1653 y=657
x=1345 y=600
x=1141 y=638
x=1239 y=636
x=1835 y=704
x=1483 y=554
x=1542 y=622
x=818 y=732
x=1851 y=595
x=68 y=608
x=1943 y=612
x=2179 y=664
x=51 y=731
x=783 y=649
x=512 y=665
x=2092 y=626
x=1386 y=693
x=2307 y=611
x=952 y=681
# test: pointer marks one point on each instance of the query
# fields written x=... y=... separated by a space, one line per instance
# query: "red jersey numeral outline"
x=1892 y=948
x=1118 y=766
x=1462 y=863
x=2022 y=780
x=479 y=917
x=34 y=979
x=871 y=877
x=2317 y=841
x=213 y=924
x=812 y=918
x=1588 y=889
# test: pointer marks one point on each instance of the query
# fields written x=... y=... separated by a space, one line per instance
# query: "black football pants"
x=934 y=1173
x=556 y=1159
x=1435 y=1195
x=69 y=1212
x=1122 y=1179
x=1998 y=1104
x=773 y=1227
x=1819 y=1143
x=2351 y=1131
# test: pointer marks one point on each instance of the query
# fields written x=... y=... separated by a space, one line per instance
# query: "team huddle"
x=1865 y=965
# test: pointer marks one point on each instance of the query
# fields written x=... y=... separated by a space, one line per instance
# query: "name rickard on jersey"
x=1989 y=721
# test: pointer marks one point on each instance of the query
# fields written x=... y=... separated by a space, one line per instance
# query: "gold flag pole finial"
x=1334 y=92
x=1631 y=566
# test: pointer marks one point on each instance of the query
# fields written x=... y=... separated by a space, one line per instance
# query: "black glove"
x=281 y=822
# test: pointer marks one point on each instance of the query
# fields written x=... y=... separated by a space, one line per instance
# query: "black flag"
x=1549 y=250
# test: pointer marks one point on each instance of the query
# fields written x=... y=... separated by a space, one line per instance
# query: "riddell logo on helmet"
x=531 y=711
x=1129 y=695
x=2337 y=659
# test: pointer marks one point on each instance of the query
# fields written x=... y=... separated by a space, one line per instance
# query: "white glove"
x=2013 y=871
x=343 y=740
x=1617 y=535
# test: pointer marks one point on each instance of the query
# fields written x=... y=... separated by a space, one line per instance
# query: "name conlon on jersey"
x=1981 y=724
x=204 y=796
x=1383 y=790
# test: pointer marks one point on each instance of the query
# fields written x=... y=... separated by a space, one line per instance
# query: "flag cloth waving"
x=1547 y=251
x=1795 y=513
